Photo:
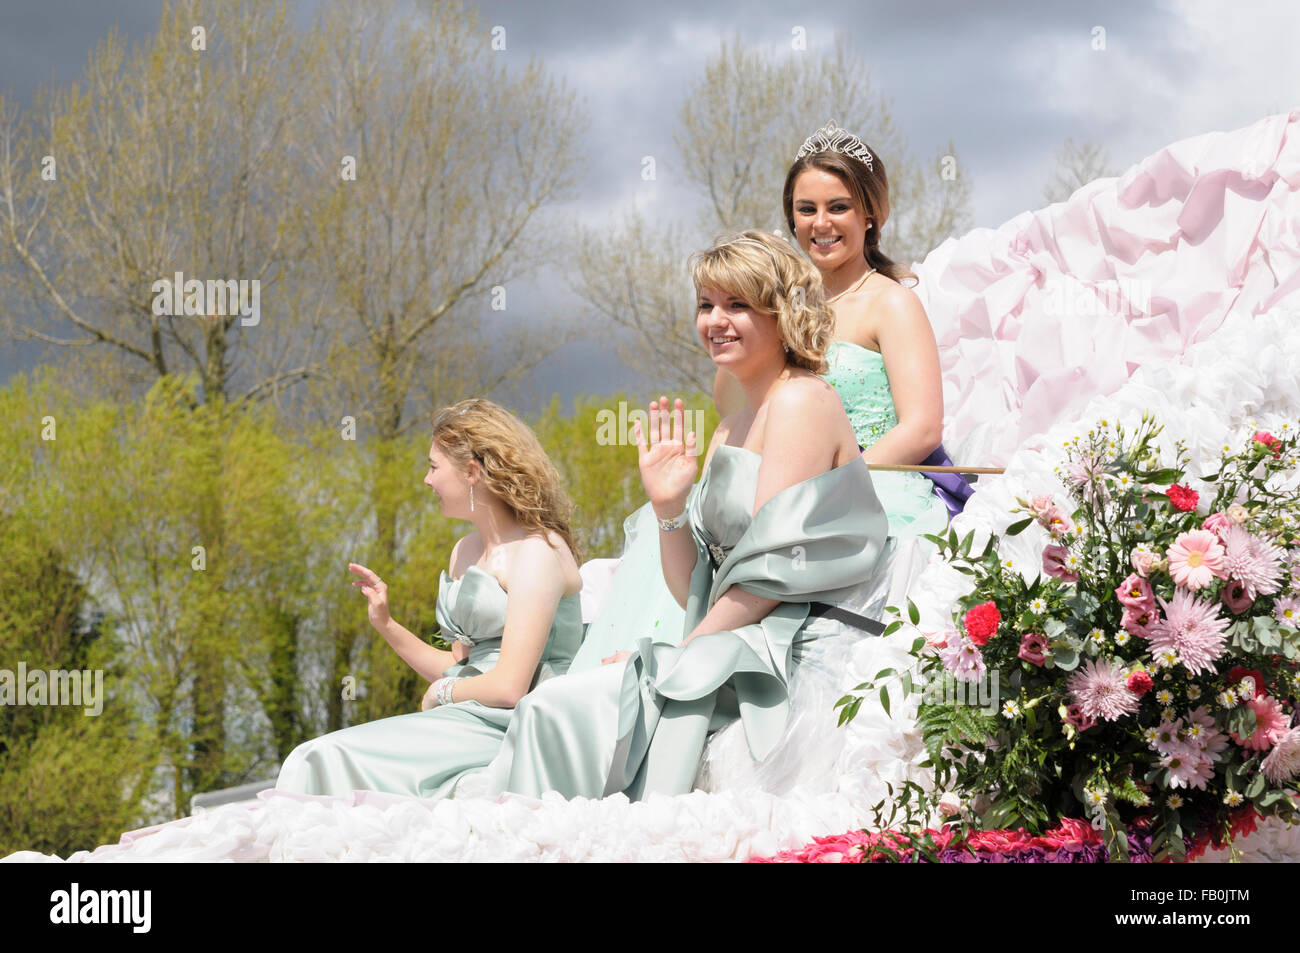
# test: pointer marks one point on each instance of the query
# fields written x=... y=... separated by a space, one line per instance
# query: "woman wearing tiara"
x=884 y=361
x=784 y=515
x=510 y=604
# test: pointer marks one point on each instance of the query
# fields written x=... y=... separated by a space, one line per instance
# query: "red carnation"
x=981 y=622
x=1183 y=498
x=1139 y=683
x=1268 y=440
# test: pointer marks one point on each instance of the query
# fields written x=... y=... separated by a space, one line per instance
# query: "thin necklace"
x=857 y=284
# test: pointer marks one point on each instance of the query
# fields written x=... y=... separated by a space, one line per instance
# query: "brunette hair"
x=868 y=187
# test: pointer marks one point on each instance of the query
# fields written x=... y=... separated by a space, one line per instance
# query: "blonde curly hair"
x=514 y=465
x=768 y=274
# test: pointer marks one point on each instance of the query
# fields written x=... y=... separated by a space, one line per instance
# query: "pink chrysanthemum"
x=1084 y=475
x=1188 y=767
x=1270 y=724
x=1283 y=762
x=1100 y=688
x=963 y=658
x=1195 y=558
x=1191 y=627
x=1255 y=563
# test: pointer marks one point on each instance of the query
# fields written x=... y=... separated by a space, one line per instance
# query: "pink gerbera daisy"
x=1283 y=762
x=1270 y=724
x=1255 y=563
x=1191 y=627
x=1195 y=558
x=1100 y=687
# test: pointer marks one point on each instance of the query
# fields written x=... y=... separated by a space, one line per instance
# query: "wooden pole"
x=918 y=468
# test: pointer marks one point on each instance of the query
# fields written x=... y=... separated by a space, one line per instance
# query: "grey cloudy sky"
x=1006 y=81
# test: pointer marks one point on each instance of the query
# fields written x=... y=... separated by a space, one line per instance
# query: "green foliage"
x=197 y=553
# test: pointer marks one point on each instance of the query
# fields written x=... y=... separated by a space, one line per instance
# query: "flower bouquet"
x=1145 y=674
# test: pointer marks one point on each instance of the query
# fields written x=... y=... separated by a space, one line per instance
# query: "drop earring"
x=471 y=497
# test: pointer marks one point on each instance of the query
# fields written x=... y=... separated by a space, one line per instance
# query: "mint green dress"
x=640 y=726
x=426 y=754
x=858 y=376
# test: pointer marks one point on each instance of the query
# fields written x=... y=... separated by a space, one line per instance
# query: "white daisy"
x=1193 y=692
x=1122 y=637
x=1232 y=799
x=1175 y=801
x=1038 y=606
x=1165 y=696
x=1011 y=709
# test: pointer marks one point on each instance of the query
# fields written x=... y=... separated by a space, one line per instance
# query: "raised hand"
x=668 y=458
x=376 y=592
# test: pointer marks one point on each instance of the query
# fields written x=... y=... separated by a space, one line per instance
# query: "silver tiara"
x=832 y=138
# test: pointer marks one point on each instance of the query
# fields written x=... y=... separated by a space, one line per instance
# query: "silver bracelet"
x=445 y=686
x=677 y=522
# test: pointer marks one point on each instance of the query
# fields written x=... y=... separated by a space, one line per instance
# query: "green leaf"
x=1162 y=477
x=1256 y=787
x=917 y=645
x=1083 y=606
x=1267 y=633
x=1065 y=655
x=850 y=711
x=913 y=613
x=1018 y=527
x=884 y=699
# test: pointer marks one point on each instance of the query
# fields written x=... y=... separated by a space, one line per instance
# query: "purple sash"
x=952 y=488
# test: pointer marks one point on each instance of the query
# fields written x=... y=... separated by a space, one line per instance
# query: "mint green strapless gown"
x=858 y=376
x=426 y=754
x=637 y=600
x=640 y=726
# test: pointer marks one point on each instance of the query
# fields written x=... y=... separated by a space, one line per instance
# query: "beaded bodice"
x=858 y=375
